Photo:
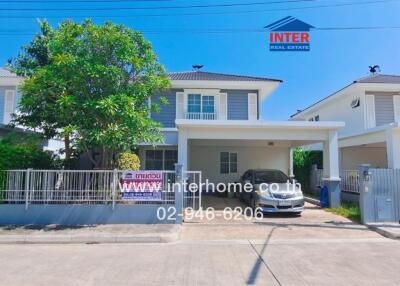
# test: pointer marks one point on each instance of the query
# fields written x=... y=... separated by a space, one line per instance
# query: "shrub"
x=128 y=161
x=22 y=154
x=302 y=162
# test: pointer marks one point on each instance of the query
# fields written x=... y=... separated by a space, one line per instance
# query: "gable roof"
x=289 y=24
x=201 y=75
x=4 y=72
x=379 y=78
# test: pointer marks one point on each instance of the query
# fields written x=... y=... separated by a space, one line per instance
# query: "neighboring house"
x=213 y=124
x=9 y=99
x=9 y=96
x=370 y=107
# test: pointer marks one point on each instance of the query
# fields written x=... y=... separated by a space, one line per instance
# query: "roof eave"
x=265 y=88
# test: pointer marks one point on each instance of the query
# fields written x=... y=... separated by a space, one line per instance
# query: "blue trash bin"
x=324 y=197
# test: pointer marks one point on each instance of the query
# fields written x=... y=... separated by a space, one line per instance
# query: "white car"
x=272 y=191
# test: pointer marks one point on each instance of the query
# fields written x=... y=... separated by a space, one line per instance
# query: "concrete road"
x=318 y=249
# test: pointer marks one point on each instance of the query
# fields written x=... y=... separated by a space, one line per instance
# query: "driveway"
x=314 y=223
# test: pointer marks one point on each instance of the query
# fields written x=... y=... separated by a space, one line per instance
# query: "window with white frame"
x=161 y=159
x=198 y=103
x=207 y=104
x=228 y=162
x=194 y=103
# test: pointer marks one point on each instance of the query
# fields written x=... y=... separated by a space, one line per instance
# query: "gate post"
x=27 y=186
x=114 y=187
x=366 y=194
x=178 y=192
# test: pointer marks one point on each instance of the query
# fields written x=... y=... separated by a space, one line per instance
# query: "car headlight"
x=264 y=194
x=299 y=193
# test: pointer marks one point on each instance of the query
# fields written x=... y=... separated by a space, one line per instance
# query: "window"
x=207 y=104
x=201 y=103
x=194 y=103
x=154 y=159
x=228 y=163
x=170 y=158
x=161 y=159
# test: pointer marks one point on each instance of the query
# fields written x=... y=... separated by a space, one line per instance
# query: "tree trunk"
x=67 y=147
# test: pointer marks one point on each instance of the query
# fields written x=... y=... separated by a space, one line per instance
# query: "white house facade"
x=370 y=108
x=9 y=98
x=213 y=124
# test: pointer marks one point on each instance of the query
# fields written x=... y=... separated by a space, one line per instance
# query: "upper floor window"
x=200 y=107
x=194 y=103
x=208 y=104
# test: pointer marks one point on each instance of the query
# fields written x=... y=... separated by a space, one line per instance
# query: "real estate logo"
x=289 y=35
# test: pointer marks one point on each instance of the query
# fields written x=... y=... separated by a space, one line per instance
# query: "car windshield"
x=270 y=177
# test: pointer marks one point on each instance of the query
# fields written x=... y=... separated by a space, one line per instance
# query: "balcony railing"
x=201 y=116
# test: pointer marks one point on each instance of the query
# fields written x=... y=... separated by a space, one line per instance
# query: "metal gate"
x=379 y=194
x=386 y=191
x=192 y=189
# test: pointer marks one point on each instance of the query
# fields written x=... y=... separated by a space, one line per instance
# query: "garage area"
x=224 y=151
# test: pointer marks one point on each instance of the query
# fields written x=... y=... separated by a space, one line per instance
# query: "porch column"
x=331 y=168
x=291 y=174
x=393 y=148
x=183 y=149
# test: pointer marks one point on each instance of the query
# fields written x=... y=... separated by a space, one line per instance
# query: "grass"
x=347 y=210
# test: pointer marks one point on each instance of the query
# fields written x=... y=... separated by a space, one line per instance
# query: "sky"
x=182 y=37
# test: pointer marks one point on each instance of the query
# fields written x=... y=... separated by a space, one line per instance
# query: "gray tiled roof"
x=6 y=73
x=200 y=75
x=380 y=78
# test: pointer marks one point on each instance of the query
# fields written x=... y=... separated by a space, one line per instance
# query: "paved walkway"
x=123 y=233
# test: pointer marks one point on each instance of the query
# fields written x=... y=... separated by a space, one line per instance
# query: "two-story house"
x=213 y=124
x=370 y=108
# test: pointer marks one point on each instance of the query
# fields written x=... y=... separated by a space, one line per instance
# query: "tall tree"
x=91 y=84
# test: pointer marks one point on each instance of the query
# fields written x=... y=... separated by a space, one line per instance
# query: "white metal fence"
x=85 y=187
x=349 y=180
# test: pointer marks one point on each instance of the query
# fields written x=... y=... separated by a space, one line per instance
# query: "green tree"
x=91 y=84
x=302 y=162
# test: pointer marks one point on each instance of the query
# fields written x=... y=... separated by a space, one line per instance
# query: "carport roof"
x=259 y=124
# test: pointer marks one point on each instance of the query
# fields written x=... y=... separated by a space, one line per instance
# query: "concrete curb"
x=312 y=201
x=92 y=239
x=384 y=231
